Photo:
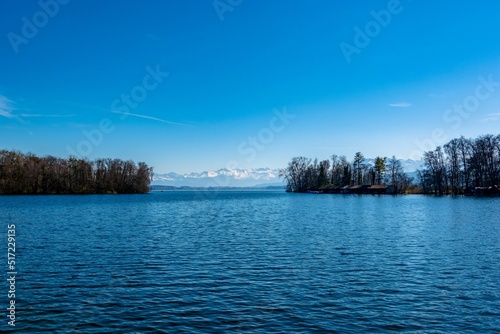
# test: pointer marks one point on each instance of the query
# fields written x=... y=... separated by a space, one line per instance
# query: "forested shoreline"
x=339 y=174
x=462 y=166
x=29 y=174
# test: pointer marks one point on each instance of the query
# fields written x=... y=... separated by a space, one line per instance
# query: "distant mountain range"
x=222 y=178
x=253 y=177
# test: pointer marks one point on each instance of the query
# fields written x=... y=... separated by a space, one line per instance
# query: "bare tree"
x=29 y=174
x=296 y=174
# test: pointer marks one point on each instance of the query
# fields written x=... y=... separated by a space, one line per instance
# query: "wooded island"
x=462 y=166
x=28 y=174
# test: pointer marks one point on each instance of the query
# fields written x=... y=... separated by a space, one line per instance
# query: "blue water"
x=257 y=262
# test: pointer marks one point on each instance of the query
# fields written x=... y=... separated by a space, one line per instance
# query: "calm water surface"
x=262 y=262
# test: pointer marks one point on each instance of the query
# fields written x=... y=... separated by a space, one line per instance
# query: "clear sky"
x=197 y=85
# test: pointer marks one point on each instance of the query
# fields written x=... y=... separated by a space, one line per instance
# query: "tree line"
x=303 y=174
x=29 y=174
x=461 y=165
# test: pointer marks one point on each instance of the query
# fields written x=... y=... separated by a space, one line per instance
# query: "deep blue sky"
x=227 y=76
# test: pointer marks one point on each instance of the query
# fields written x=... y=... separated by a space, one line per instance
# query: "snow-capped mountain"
x=222 y=178
x=253 y=177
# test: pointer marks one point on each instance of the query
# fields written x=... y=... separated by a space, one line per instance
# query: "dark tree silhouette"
x=301 y=175
x=29 y=174
x=462 y=165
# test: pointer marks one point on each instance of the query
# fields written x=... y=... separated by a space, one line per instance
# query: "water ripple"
x=257 y=262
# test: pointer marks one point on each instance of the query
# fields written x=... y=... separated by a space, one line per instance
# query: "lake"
x=257 y=262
